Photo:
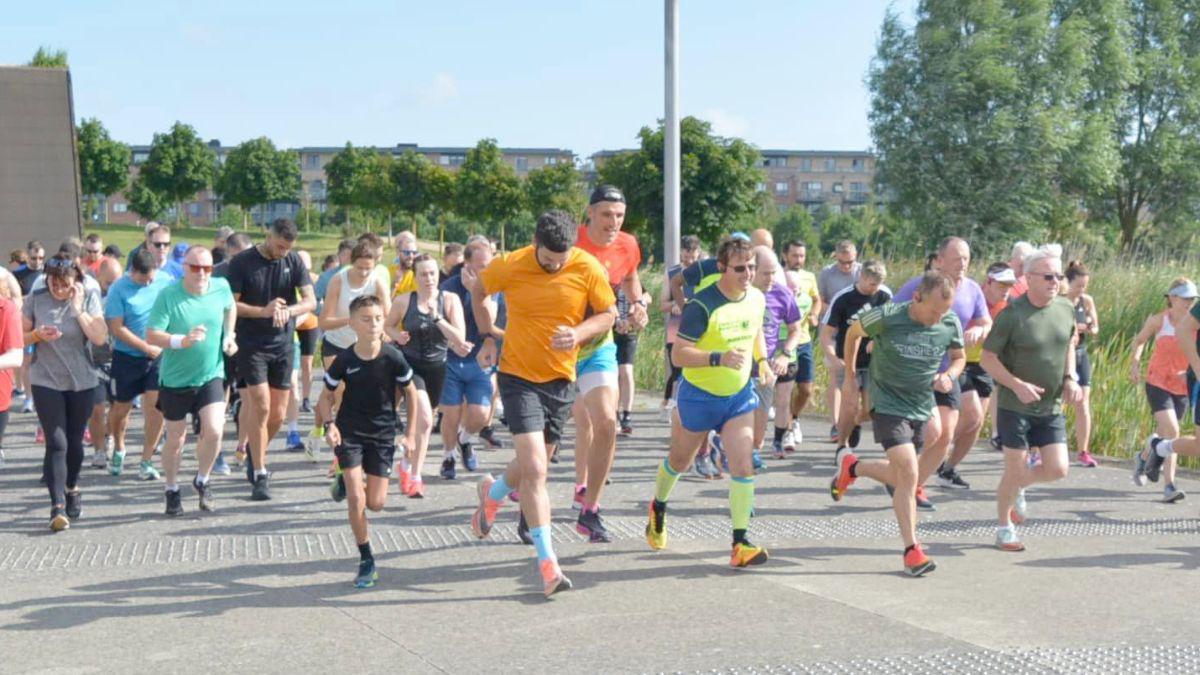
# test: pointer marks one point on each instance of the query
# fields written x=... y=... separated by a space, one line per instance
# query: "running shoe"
x=1154 y=461
x=115 y=464
x=553 y=580
x=523 y=530
x=99 y=459
x=367 y=576
x=580 y=496
x=448 y=471
x=262 y=489
x=146 y=470
x=797 y=437
x=1171 y=494
x=248 y=463
x=220 y=466
x=337 y=487
x=833 y=433
x=626 y=426
x=39 y=436
x=855 y=436
x=789 y=442
x=554 y=456
x=137 y=402
x=305 y=406
x=87 y=436
x=58 y=520
x=174 y=503
x=488 y=434
x=777 y=450
x=470 y=461
x=1139 y=468
x=405 y=480
x=1085 y=459
x=656 y=526
x=485 y=512
x=746 y=554
x=923 y=502
x=1007 y=540
x=703 y=466
x=294 y=442
x=416 y=489
x=994 y=443
x=312 y=449
x=204 y=492
x=755 y=460
x=842 y=480
x=1033 y=459
x=715 y=454
x=948 y=477
x=916 y=563
x=590 y=525
x=74 y=504
x=27 y=407
x=1020 y=509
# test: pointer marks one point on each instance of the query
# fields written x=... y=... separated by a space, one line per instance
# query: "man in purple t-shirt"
x=953 y=258
x=781 y=311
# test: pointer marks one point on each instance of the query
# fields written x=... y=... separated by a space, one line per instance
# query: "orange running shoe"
x=405 y=481
x=485 y=514
x=746 y=554
x=553 y=580
x=843 y=480
x=416 y=489
x=916 y=563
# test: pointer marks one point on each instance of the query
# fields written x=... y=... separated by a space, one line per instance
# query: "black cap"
x=606 y=193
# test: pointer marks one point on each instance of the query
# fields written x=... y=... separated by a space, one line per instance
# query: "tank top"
x=344 y=337
x=1167 y=363
x=1081 y=316
x=426 y=341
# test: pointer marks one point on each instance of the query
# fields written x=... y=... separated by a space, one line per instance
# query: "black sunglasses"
x=1053 y=277
x=160 y=244
x=742 y=268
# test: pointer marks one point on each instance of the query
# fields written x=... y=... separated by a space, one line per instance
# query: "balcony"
x=857 y=197
x=810 y=196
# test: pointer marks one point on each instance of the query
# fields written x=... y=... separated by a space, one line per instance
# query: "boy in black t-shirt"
x=364 y=435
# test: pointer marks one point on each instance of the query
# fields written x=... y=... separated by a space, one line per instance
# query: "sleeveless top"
x=1167 y=363
x=1081 y=316
x=426 y=341
x=344 y=337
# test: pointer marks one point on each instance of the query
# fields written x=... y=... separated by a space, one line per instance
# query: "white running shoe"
x=789 y=441
x=99 y=459
x=312 y=449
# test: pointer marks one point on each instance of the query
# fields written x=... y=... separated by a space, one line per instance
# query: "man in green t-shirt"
x=1030 y=355
x=909 y=340
x=192 y=322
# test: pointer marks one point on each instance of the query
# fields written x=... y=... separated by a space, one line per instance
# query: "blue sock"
x=499 y=490
x=541 y=542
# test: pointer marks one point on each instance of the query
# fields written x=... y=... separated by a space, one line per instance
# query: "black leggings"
x=672 y=374
x=64 y=415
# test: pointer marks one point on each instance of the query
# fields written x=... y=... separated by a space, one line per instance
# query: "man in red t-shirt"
x=603 y=363
x=11 y=352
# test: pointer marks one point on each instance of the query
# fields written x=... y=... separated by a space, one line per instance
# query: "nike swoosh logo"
x=351 y=371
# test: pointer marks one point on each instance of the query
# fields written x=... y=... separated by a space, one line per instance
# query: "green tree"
x=255 y=174
x=559 y=186
x=718 y=181
x=46 y=57
x=488 y=190
x=441 y=185
x=103 y=164
x=230 y=215
x=179 y=166
x=146 y=202
x=795 y=223
x=349 y=176
x=409 y=176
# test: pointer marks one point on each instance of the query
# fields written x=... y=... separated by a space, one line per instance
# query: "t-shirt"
x=716 y=323
x=322 y=285
x=64 y=364
x=10 y=338
x=832 y=280
x=619 y=260
x=975 y=352
x=25 y=277
x=131 y=302
x=368 y=408
x=1032 y=343
x=906 y=357
x=700 y=275
x=259 y=281
x=177 y=312
x=405 y=283
x=455 y=285
x=780 y=310
x=221 y=269
x=672 y=318
x=806 y=296
x=1018 y=289
x=969 y=303
x=538 y=303
x=844 y=310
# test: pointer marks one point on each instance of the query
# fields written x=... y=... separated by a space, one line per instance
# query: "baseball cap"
x=1002 y=273
x=1185 y=290
x=606 y=193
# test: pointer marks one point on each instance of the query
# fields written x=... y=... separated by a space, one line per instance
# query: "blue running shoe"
x=470 y=461
x=367 y=576
x=221 y=467
x=757 y=460
x=294 y=442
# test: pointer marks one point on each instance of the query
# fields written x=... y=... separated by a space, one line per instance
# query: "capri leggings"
x=3 y=426
x=63 y=415
x=673 y=374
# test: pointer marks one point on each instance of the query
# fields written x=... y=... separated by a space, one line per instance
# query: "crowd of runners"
x=416 y=349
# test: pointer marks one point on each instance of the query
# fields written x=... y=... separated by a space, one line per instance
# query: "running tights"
x=63 y=415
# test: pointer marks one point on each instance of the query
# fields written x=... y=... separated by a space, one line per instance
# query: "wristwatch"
x=1074 y=377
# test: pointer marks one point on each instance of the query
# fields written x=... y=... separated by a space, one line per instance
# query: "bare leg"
x=599 y=408
x=583 y=438
x=424 y=428
x=154 y=424
x=970 y=422
x=212 y=419
x=1083 y=422
x=900 y=471
x=941 y=426
x=173 y=450
x=1018 y=475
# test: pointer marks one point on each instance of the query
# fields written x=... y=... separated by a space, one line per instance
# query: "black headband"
x=606 y=193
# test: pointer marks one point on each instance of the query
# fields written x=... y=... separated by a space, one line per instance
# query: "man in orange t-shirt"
x=549 y=289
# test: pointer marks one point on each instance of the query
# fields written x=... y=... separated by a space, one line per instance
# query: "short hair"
x=556 y=230
x=196 y=248
x=474 y=245
x=1076 y=269
x=285 y=229
x=874 y=269
x=362 y=250
x=70 y=248
x=997 y=267
x=371 y=238
x=934 y=281
x=845 y=246
x=223 y=232
x=18 y=255
x=364 y=301
x=76 y=241
x=950 y=241
x=479 y=238
x=239 y=241
x=794 y=243
x=160 y=229
x=730 y=247
x=405 y=234
x=689 y=242
x=143 y=261
x=330 y=260
x=347 y=245
x=34 y=245
x=1043 y=252
x=112 y=251
x=1021 y=249
x=150 y=227
x=93 y=238
x=452 y=248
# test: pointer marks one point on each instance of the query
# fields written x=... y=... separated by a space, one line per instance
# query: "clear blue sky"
x=577 y=74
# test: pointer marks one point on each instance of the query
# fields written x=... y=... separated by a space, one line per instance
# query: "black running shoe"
x=174 y=503
x=994 y=441
x=305 y=406
x=367 y=576
x=1154 y=463
x=554 y=456
x=855 y=436
x=948 y=477
x=448 y=472
x=262 y=489
x=74 y=505
x=204 y=491
x=523 y=530
x=590 y=525
x=626 y=425
x=470 y=461
x=249 y=466
x=488 y=434
x=337 y=489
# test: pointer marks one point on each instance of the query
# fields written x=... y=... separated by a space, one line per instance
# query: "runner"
x=833 y=279
x=425 y=323
x=780 y=314
x=110 y=268
x=1028 y=353
x=1166 y=384
x=803 y=285
x=59 y=320
x=1087 y=323
x=402 y=271
x=135 y=360
x=93 y=254
x=689 y=253
x=264 y=280
x=234 y=387
x=549 y=287
x=720 y=339
x=309 y=335
x=370 y=376
x=36 y=258
x=909 y=340
x=192 y=322
x=599 y=368
x=975 y=383
x=12 y=352
x=952 y=259
x=1020 y=251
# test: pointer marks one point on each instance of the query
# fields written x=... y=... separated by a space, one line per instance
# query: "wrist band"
x=177 y=342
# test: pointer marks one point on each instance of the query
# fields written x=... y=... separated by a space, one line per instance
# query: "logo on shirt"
x=351 y=371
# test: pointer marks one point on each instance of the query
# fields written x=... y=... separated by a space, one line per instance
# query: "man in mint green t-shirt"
x=193 y=322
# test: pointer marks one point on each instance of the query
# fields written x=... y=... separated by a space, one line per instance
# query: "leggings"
x=64 y=415
x=672 y=375
x=3 y=426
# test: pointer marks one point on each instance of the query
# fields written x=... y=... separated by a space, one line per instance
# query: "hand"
x=565 y=338
x=621 y=327
x=76 y=298
x=268 y=310
x=152 y=352
x=942 y=383
x=230 y=347
x=733 y=359
x=1028 y=393
x=281 y=317
x=814 y=320
x=779 y=364
x=47 y=333
x=410 y=440
x=403 y=337
x=487 y=354
x=638 y=317
x=462 y=347
x=766 y=376
x=675 y=310
x=1135 y=373
x=195 y=335
x=973 y=336
x=333 y=436
x=1072 y=392
x=468 y=277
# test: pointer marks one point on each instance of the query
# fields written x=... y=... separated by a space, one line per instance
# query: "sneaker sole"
x=951 y=485
x=1177 y=497
x=368 y=583
x=593 y=537
x=922 y=569
x=558 y=586
x=758 y=559
x=1011 y=548
x=477 y=517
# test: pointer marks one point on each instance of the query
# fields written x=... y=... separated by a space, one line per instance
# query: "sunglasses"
x=408 y=253
x=95 y=251
x=60 y=264
x=1053 y=277
x=160 y=244
x=207 y=269
x=744 y=268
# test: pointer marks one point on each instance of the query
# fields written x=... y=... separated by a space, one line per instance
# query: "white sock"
x=294 y=427
x=260 y=472
x=1165 y=448
x=172 y=487
x=202 y=479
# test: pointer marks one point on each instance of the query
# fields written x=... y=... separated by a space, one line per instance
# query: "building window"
x=806 y=165
x=444 y=160
x=455 y=160
x=856 y=187
x=761 y=187
x=139 y=157
x=522 y=163
x=314 y=161
x=837 y=188
x=831 y=165
x=120 y=207
x=813 y=186
x=858 y=165
x=551 y=161
x=781 y=188
x=773 y=161
x=316 y=189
